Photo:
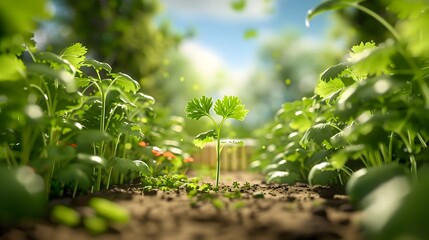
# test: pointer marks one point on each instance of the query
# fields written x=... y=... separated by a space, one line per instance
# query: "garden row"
x=71 y=125
x=369 y=112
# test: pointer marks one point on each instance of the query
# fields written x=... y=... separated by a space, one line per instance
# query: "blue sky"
x=220 y=29
x=219 y=47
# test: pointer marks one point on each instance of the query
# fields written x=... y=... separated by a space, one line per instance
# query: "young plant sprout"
x=227 y=107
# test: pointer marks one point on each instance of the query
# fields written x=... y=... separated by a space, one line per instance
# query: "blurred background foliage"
x=131 y=38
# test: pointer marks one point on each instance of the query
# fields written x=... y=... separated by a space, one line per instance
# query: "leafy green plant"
x=366 y=111
x=227 y=107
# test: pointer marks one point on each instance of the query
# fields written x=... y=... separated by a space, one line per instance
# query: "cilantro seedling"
x=227 y=107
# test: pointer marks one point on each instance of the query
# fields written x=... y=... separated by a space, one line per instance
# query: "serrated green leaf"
x=203 y=138
x=328 y=6
x=97 y=65
x=55 y=61
x=230 y=107
x=370 y=59
x=361 y=51
x=238 y=5
x=333 y=72
x=326 y=90
x=75 y=54
x=126 y=82
x=198 y=108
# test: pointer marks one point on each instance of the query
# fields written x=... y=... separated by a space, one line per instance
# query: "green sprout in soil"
x=227 y=107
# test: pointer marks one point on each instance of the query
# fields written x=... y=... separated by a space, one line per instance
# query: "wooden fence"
x=233 y=157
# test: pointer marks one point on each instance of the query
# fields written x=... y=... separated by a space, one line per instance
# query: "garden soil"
x=265 y=211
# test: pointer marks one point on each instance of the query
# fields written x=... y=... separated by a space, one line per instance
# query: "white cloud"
x=213 y=70
x=255 y=10
x=204 y=60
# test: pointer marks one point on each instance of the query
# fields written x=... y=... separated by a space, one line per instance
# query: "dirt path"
x=262 y=212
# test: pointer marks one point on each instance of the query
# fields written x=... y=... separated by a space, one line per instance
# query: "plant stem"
x=408 y=144
x=108 y=178
x=218 y=159
x=75 y=189
x=98 y=183
x=218 y=150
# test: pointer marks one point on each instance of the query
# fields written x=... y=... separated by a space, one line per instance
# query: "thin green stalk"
x=115 y=149
x=409 y=147
x=422 y=141
x=48 y=178
x=390 y=150
x=218 y=149
x=218 y=159
x=378 y=18
x=76 y=184
x=108 y=178
x=98 y=183
x=30 y=53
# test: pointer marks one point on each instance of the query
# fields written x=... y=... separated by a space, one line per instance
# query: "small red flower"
x=156 y=151
x=143 y=144
x=188 y=160
x=169 y=155
x=73 y=145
